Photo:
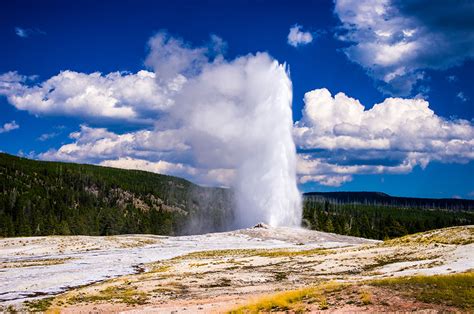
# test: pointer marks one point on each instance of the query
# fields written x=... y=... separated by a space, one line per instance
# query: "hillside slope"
x=45 y=198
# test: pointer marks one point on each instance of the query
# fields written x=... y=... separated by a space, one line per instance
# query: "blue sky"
x=412 y=54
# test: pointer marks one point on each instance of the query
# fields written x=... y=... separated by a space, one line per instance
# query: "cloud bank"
x=397 y=40
x=338 y=137
x=132 y=97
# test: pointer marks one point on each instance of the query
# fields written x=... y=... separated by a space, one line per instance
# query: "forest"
x=377 y=221
x=55 y=198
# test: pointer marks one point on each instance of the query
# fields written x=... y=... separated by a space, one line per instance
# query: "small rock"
x=261 y=225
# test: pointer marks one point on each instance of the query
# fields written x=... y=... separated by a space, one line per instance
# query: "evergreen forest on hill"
x=56 y=198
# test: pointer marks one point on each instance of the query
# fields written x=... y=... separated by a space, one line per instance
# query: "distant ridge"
x=379 y=198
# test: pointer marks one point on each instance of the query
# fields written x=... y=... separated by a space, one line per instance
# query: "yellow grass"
x=453 y=289
x=290 y=300
x=366 y=297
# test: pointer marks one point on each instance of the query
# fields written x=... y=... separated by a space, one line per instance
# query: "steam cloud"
x=236 y=115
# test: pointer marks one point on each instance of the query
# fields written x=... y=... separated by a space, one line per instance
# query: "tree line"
x=377 y=221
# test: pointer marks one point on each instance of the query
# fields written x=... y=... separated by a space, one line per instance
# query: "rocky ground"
x=222 y=272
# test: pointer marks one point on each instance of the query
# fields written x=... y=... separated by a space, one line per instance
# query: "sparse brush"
x=323 y=304
x=160 y=268
x=127 y=295
x=279 y=276
x=39 y=305
x=272 y=253
x=453 y=289
x=366 y=297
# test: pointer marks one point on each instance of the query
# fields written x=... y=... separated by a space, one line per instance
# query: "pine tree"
x=329 y=226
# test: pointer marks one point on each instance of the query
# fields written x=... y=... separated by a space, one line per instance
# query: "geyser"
x=236 y=118
x=266 y=177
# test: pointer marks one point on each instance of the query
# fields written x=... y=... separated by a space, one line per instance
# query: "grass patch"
x=366 y=297
x=454 y=236
x=383 y=260
x=323 y=304
x=159 y=268
x=127 y=295
x=134 y=243
x=290 y=253
x=253 y=252
x=221 y=282
x=292 y=300
x=198 y=264
x=35 y=262
x=452 y=290
x=39 y=305
x=456 y=290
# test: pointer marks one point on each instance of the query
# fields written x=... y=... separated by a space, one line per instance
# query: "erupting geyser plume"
x=266 y=176
x=236 y=118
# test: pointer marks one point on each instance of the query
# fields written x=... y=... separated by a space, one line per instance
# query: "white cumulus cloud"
x=97 y=144
x=391 y=137
x=298 y=37
x=138 y=98
x=117 y=95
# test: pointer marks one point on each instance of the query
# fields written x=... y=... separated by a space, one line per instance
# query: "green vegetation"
x=453 y=290
x=52 y=198
x=378 y=198
x=377 y=221
x=159 y=268
x=127 y=295
x=34 y=262
x=253 y=252
x=39 y=305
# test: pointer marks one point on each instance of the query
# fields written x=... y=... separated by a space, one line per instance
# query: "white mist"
x=235 y=119
x=237 y=115
x=265 y=184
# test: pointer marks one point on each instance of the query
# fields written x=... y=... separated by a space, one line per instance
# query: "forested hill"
x=51 y=198
x=44 y=198
x=382 y=199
